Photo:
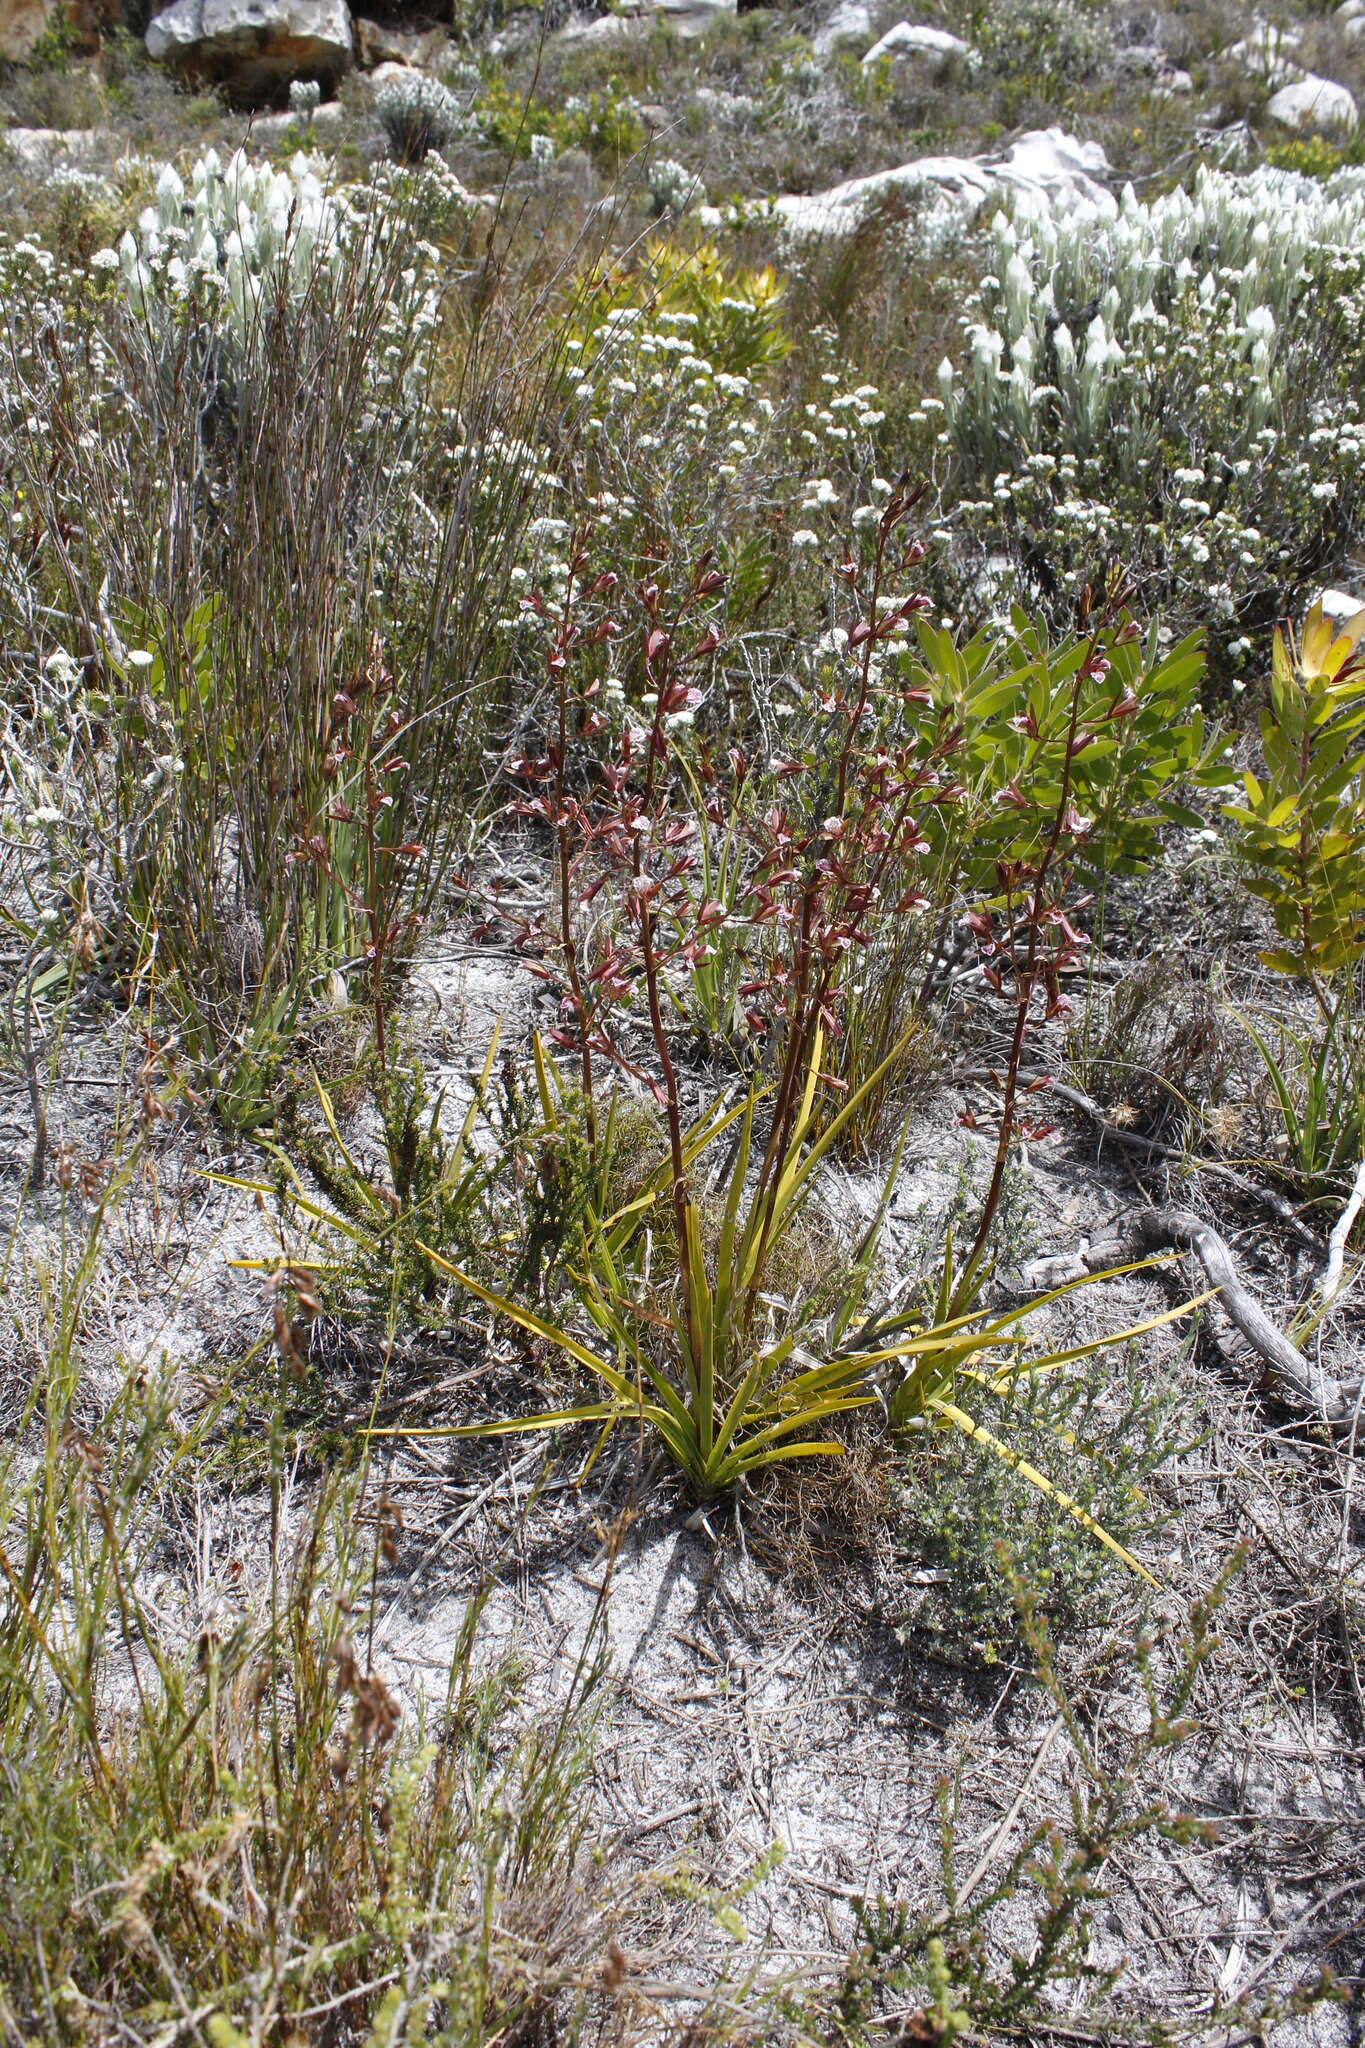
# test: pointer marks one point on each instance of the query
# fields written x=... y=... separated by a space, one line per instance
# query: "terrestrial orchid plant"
x=698 y=1348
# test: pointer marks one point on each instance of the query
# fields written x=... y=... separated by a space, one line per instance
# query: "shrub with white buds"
x=237 y=228
x=235 y=248
x=417 y=114
x=1177 y=385
x=673 y=189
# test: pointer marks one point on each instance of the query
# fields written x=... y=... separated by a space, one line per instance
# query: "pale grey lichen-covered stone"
x=1318 y=104
x=851 y=22
x=907 y=40
x=51 y=149
x=1340 y=605
x=685 y=17
x=1047 y=167
x=1267 y=53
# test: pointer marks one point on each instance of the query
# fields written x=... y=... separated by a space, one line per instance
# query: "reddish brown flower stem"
x=559 y=665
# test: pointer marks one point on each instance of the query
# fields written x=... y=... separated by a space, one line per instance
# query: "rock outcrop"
x=44 y=150
x=942 y=194
x=1318 y=105
x=1267 y=53
x=1340 y=605
x=253 y=48
x=927 y=45
x=22 y=22
x=1299 y=98
x=851 y=22
x=686 y=17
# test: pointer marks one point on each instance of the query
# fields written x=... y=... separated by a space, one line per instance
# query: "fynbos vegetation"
x=681 y=1048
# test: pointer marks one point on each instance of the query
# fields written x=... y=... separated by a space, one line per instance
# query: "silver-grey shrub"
x=417 y=114
x=673 y=189
x=1178 y=384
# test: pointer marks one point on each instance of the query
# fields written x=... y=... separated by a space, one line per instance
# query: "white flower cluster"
x=1075 y=299
x=1176 y=384
x=672 y=187
x=241 y=229
x=738 y=110
x=238 y=240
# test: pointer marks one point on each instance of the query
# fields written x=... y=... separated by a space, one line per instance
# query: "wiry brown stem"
x=564 y=854
x=1025 y=982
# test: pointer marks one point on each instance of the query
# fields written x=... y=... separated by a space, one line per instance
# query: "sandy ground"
x=751 y=1710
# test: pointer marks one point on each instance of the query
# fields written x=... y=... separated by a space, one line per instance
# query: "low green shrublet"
x=734 y=313
x=606 y=124
x=423 y=1186
x=1300 y=829
x=1298 y=836
x=1054 y=43
x=1138 y=737
x=946 y=1966
x=1102 y=1438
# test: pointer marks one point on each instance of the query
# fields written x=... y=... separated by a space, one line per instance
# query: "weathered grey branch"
x=1295 y=1379
x=1330 y=1284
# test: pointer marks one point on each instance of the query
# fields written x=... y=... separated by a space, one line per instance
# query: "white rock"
x=905 y=41
x=253 y=46
x=1351 y=10
x=1047 y=167
x=324 y=120
x=1313 y=103
x=687 y=17
x=1265 y=54
x=690 y=17
x=1354 y=29
x=1339 y=605
x=1056 y=164
x=48 y=149
x=851 y=22
x=607 y=28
